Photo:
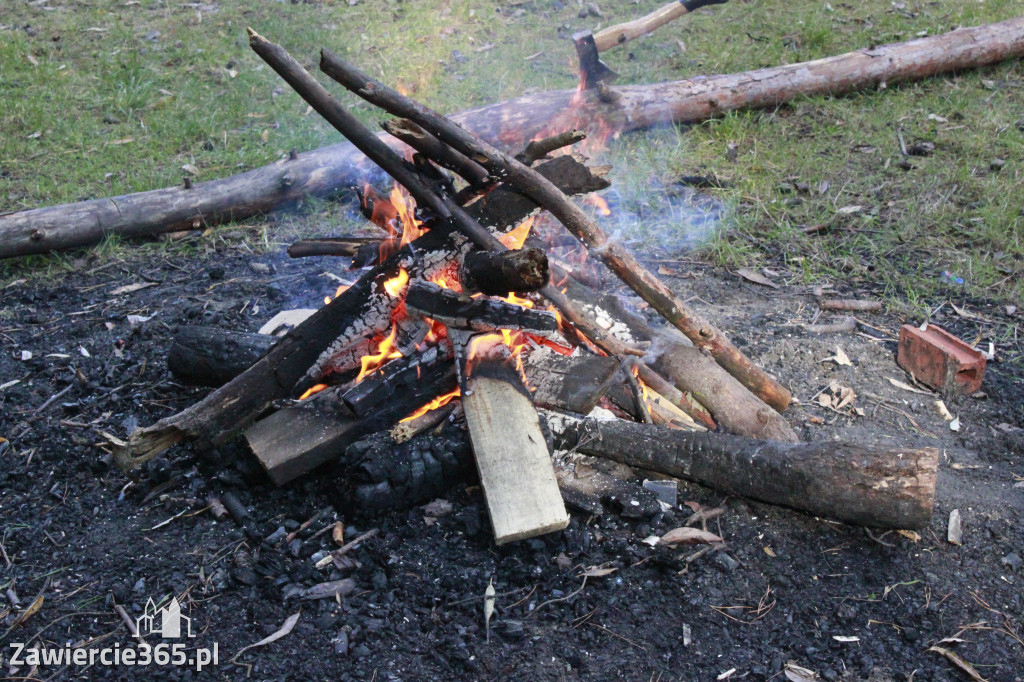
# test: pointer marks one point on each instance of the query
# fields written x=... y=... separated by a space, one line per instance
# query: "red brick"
x=937 y=358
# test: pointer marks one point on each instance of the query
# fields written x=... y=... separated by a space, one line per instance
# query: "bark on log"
x=877 y=486
x=512 y=123
x=231 y=408
x=336 y=246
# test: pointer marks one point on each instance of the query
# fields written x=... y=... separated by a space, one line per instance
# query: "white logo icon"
x=165 y=622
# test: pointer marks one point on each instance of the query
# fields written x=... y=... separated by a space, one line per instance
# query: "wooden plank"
x=512 y=456
x=296 y=440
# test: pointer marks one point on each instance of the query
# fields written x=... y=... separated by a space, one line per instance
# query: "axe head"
x=592 y=70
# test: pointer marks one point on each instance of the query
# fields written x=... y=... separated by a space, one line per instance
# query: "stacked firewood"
x=466 y=309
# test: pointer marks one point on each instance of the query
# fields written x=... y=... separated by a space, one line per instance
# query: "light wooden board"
x=296 y=440
x=512 y=458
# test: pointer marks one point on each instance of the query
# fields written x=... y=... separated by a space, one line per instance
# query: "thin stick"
x=628 y=365
x=502 y=166
x=425 y=143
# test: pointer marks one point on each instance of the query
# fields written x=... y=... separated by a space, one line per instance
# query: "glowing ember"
x=385 y=351
x=313 y=390
x=515 y=238
x=434 y=404
x=516 y=300
x=600 y=203
x=445 y=281
x=396 y=285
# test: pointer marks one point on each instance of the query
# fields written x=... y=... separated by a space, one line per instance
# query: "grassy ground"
x=112 y=97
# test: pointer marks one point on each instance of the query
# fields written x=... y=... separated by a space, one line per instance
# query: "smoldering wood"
x=499 y=164
x=479 y=314
x=227 y=411
x=210 y=356
x=688 y=370
x=295 y=440
x=378 y=475
x=333 y=246
x=323 y=172
x=500 y=273
x=588 y=489
x=868 y=485
x=573 y=383
x=406 y=430
x=400 y=376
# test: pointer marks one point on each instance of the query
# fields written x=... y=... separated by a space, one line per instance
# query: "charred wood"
x=572 y=383
x=208 y=356
x=334 y=246
x=479 y=314
x=499 y=273
x=401 y=376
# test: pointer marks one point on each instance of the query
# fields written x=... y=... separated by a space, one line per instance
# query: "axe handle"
x=623 y=33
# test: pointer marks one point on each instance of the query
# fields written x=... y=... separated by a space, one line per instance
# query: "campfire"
x=467 y=345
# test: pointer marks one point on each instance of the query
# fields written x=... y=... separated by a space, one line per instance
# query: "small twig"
x=615 y=634
x=628 y=365
x=568 y=596
x=903 y=144
x=52 y=398
x=348 y=546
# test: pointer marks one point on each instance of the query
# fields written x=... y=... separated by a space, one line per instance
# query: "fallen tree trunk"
x=877 y=486
x=509 y=124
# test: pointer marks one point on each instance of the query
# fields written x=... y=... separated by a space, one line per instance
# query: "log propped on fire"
x=441 y=309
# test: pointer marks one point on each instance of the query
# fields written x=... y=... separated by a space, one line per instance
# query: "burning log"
x=512 y=455
x=228 y=410
x=700 y=331
x=327 y=170
x=297 y=439
x=479 y=314
x=877 y=486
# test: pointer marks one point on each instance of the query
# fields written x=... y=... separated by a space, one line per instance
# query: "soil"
x=846 y=603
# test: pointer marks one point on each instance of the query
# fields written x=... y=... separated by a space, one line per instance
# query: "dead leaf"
x=123 y=140
x=330 y=589
x=32 y=60
x=845 y=638
x=288 y=626
x=840 y=358
x=662 y=270
x=846 y=396
x=941 y=407
x=595 y=572
x=770 y=552
x=727 y=674
x=688 y=536
x=32 y=610
x=488 y=607
x=910 y=535
x=190 y=169
x=129 y=288
x=796 y=673
x=958 y=662
x=849 y=210
x=824 y=399
x=756 y=277
x=908 y=387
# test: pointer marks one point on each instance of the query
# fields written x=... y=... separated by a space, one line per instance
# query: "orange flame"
x=445 y=281
x=600 y=203
x=342 y=289
x=516 y=237
x=516 y=300
x=396 y=285
x=312 y=390
x=411 y=228
x=434 y=404
x=385 y=351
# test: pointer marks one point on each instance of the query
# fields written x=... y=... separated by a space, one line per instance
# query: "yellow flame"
x=600 y=203
x=434 y=404
x=385 y=351
x=517 y=300
x=311 y=391
x=396 y=285
x=516 y=237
